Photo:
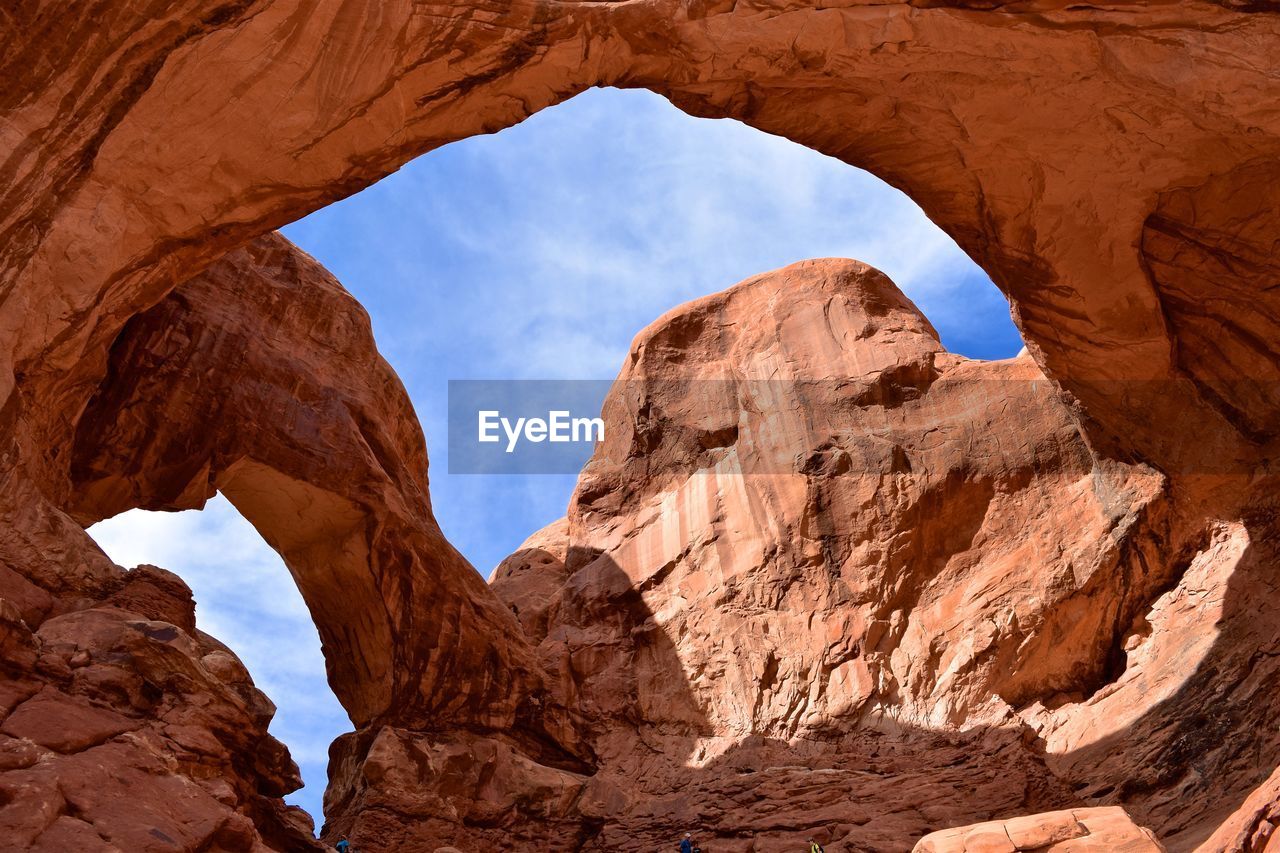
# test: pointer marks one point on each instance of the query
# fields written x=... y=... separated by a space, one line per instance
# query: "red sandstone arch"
x=260 y=378
x=1093 y=161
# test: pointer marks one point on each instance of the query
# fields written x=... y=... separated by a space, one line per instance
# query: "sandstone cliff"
x=814 y=537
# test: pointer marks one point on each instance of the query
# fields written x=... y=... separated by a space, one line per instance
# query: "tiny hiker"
x=343 y=846
x=815 y=847
x=686 y=846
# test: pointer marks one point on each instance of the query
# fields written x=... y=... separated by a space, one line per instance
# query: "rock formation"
x=848 y=542
x=1051 y=594
x=258 y=378
x=125 y=728
x=1105 y=830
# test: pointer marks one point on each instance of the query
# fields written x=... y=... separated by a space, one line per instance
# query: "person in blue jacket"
x=343 y=846
x=686 y=846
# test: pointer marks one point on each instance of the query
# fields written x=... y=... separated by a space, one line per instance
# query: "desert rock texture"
x=1104 y=830
x=897 y=587
x=823 y=579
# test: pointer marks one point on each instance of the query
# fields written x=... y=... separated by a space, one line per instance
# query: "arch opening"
x=689 y=183
x=540 y=251
x=246 y=599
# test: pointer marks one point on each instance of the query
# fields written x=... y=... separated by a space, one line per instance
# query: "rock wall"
x=814 y=537
x=1112 y=167
x=126 y=728
x=257 y=378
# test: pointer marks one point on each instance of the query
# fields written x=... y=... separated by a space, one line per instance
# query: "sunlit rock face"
x=1072 y=615
x=849 y=521
x=1100 y=830
x=812 y=536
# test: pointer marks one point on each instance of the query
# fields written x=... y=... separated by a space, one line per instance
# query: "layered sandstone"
x=125 y=728
x=1027 y=600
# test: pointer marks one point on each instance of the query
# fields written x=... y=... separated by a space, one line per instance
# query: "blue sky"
x=539 y=253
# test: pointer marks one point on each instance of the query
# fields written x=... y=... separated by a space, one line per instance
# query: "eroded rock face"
x=812 y=536
x=802 y=445
x=1113 y=168
x=1254 y=825
x=124 y=728
x=259 y=378
x=312 y=437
